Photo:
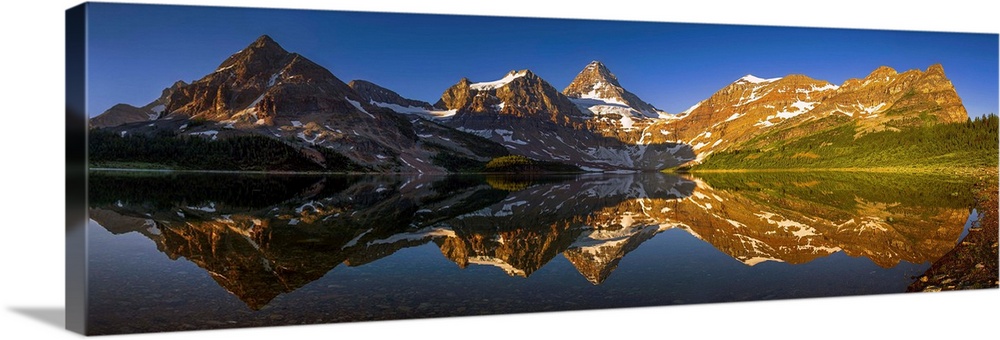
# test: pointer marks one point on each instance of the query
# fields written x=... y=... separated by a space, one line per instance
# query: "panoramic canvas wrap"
x=261 y=167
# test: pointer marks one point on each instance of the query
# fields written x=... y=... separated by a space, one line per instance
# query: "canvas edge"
x=76 y=171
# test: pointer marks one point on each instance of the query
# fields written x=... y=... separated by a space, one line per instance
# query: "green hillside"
x=956 y=145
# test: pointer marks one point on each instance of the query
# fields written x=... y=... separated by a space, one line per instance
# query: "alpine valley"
x=267 y=109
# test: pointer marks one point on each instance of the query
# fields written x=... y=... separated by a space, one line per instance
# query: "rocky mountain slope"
x=262 y=83
x=264 y=90
x=125 y=113
x=383 y=97
x=531 y=118
x=795 y=106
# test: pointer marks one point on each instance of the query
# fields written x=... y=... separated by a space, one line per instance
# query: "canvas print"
x=263 y=167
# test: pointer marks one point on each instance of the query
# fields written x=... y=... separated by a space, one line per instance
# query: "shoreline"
x=973 y=262
x=316 y=173
x=233 y=172
x=904 y=170
x=964 y=171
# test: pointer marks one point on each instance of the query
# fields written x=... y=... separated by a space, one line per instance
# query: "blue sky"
x=137 y=50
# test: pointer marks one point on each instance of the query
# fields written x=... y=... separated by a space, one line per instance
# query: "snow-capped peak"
x=489 y=85
x=755 y=80
x=595 y=64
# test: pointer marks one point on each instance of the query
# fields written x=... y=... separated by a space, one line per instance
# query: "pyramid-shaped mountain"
x=596 y=87
x=263 y=82
x=613 y=111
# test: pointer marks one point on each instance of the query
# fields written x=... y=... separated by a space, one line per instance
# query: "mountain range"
x=594 y=124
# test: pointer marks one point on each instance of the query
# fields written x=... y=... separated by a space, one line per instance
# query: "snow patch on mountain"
x=870 y=109
x=251 y=110
x=764 y=123
x=419 y=111
x=814 y=88
x=401 y=109
x=209 y=208
x=508 y=136
x=358 y=106
x=751 y=98
x=492 y=261
x=603 y=107
x=416 y=235
x=274 y=78
x=827 y=87
x=801 y=230
x=306 y=139
x=800 y=108
x=355 y=240
x=592 y=241
x=626 y=122
x=441 y=114
x=755 y=80
x=757 y=260
x=490 y=85
x=480 y=133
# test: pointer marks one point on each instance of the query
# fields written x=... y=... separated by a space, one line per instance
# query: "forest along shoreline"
x=973 y=263
x=971 y=172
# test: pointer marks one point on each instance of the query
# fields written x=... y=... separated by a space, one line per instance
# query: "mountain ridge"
x=594 y=123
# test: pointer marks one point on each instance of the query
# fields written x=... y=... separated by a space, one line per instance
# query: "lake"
x=199 y=251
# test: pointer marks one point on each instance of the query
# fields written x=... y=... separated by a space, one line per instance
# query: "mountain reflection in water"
x=260 y=236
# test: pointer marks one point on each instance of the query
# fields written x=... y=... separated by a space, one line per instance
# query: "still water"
x=196 y=251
